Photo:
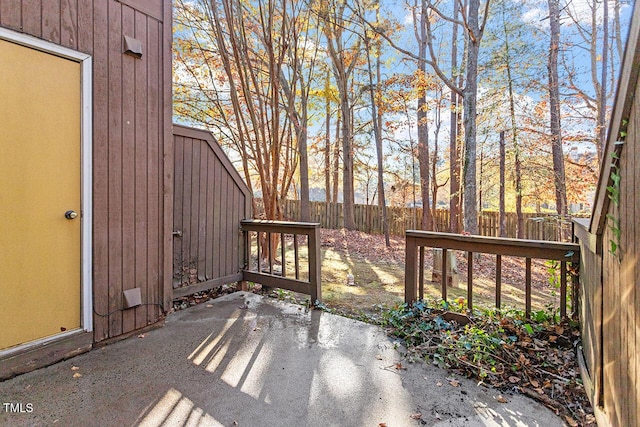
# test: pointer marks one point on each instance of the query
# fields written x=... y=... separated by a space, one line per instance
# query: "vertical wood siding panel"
x=218 y=220
x=100 y=171
x=129 y=261
x=614 y=283
x=11 y=15
x=625 y=289
x=166 y=292
x=609 y=350
x=154 y=175
x=235 y=231
x=202 y=214
x=32 y=17
x=51 y=20
x=115 y=168
x=69 y=23
x=226 y=249
x=211 y=170
x=85 y=27
x=178 y=194
x=636 y=248
x=631 y=263
x=187 y=216
x=141 y=210
x=195 y=203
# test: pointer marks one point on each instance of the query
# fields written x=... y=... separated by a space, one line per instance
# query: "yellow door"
x=40 y=171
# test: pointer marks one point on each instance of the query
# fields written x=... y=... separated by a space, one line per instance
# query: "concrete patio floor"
x=246 y=360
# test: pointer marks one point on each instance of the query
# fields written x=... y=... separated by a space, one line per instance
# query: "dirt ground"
x=378 y=273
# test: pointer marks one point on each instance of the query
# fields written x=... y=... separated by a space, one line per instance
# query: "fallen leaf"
x=416 y=416
x=74 y=368
x=382 y=425
x=570 y=421
x=535 y=384
x=454 y=383
x=77 y=375
x=141 y=336
x=378 y=357
x=438 y=384
x=209 y=305
x=553 y=338
x=514 y=380
x=399 y=366
x=500 y=398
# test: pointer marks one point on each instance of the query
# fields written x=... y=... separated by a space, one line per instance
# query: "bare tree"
x=423 y=124
x=454 y=159
x=554 y=108
x=343 y=60
x=376 y=118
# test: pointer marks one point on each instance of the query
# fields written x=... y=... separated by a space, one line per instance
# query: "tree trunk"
x=423 y=129
x=503 y=215
x=327 y=143
x=514 y=132
x=376 y=116
x=347 y=164
x=520 y=233
x=305 y=204
x=454 y=160
x=554 y=109
x=470 y=214
x=602 y=104
x=336 y=159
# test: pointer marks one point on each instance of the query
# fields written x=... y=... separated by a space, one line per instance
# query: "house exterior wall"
x=132 y=155
x=610 y=306
x=621 y=291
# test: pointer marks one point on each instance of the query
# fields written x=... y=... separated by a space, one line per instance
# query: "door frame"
x=86 y=185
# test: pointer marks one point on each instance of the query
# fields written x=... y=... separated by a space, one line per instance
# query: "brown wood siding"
x=210 y=200
x=132 y=156
x=621 y=302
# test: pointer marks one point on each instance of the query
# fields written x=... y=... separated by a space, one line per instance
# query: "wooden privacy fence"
x=262 y=239
x=417 y=241
x=368 y=219
x=210 y=200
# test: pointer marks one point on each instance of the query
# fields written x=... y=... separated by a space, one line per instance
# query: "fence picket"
x=368 y=218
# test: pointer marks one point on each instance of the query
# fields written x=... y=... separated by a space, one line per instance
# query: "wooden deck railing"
x=259 y=262
x=416 y=241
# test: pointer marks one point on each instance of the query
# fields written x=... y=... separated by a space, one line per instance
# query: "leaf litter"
x=502 y=349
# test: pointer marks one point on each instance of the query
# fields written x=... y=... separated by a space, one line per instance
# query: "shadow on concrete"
x=251 y=361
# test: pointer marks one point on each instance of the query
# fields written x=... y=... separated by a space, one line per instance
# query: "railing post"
x=246 y=254
x=563 y=289
x=527 y=288
x=315 y=265
x=411 y=275
x=470 y=280
x=443 y=276
x=498 y=281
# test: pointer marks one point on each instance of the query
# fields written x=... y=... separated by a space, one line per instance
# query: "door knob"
x=71 y=214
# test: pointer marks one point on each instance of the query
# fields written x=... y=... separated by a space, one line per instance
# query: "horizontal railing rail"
x=417 y=241
x=262 y=241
